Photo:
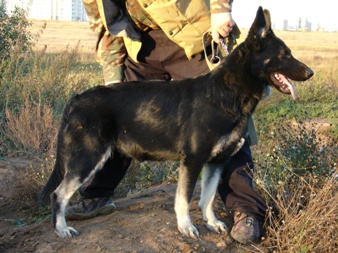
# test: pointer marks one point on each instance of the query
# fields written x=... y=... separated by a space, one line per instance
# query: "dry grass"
x=56 y=35
x=34 y=86
x=32 y=129
x=297 y=173
x=306 y=218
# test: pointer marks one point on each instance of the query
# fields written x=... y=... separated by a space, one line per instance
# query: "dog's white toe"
x=67 y=232
x=218 y=227
x=189 y=231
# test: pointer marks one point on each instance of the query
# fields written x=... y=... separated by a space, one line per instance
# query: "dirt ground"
x=143 y=222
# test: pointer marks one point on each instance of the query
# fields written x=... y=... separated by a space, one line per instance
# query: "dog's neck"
x=236 y=67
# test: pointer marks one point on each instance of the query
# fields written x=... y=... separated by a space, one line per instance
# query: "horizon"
x=286 y=14
x=319 y=15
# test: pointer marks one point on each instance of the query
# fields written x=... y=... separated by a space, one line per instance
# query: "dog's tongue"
x=291 y=88
x=289 y=85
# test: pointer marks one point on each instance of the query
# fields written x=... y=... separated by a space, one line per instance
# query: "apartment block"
x=71 y=10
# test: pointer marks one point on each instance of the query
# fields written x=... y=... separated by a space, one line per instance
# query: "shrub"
x=300 y=147
x=32 y=129
x=302 y=215
x=13 y=31
x=297 y=174
x=34 y=87
x=40 y=87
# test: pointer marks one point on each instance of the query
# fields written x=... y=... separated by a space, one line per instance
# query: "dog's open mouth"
x=283 y=84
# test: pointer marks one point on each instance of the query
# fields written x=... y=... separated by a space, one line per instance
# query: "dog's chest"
x=219 y=146
x=226 y=146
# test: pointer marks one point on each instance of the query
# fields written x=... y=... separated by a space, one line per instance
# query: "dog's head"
x=272 y=60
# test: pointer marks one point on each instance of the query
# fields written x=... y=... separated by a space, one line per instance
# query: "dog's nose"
x=309 y=73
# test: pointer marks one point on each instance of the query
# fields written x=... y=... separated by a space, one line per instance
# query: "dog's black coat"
x=199 y=121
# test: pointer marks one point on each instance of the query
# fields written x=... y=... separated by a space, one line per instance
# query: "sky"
x=322 y=12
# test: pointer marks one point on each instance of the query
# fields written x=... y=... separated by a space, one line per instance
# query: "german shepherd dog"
x=200 y=122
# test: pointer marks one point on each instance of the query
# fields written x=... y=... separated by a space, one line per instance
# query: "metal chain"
x=224 y=46
x=215 y=58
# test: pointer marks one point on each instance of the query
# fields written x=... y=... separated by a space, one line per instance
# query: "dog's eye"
x=285 y=53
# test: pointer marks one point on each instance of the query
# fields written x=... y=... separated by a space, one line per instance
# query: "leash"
x=224 y=46
x=215 y=51
x=221 y=50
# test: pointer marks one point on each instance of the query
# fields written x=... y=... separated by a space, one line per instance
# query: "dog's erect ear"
x=261 y=25
x=267 y=18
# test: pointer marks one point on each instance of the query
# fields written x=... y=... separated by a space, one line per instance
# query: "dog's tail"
x=53 y=182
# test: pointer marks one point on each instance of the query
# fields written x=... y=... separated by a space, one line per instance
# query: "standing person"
x=147 y=39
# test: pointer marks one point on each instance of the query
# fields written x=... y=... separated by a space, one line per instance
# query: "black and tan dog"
x=200 y=122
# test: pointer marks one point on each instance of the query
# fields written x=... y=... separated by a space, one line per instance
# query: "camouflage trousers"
x=111 y=50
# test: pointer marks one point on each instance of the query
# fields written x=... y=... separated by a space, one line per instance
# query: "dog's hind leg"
x=60 y=198
x=210 y=179
x=187 y=180
x=68 y=186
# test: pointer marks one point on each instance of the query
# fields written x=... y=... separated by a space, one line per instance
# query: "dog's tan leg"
x=210 y=180
x=62 y=195
x=185 y=188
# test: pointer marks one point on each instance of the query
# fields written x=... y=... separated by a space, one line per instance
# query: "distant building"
x=285 y=24
x=304 y=25
x=72 y=10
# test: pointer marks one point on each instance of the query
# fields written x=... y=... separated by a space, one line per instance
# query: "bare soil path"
x=144 y=222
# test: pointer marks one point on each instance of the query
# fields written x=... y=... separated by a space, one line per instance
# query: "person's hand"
x=221 y=25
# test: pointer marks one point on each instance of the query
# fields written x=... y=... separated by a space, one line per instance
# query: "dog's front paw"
x=217 y=226
x=67 y=232
x=189 y=231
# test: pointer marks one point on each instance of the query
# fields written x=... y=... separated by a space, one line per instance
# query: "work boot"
x=246 y=228
x=89 y=208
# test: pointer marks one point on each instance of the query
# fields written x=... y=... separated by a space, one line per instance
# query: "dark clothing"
x=162 y=59
x=104 y=182
x=236 y=186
